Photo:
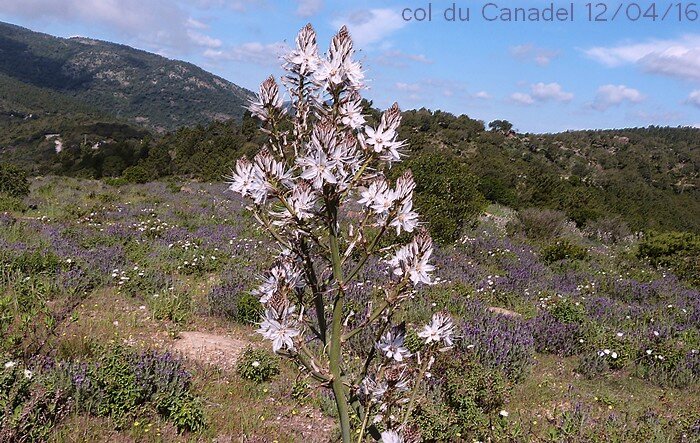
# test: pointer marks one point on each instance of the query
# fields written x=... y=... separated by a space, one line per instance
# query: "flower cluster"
x=321 y=161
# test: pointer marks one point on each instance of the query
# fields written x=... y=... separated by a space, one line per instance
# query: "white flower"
x=391 y=437
x=241 y=179
x=378 y=138
x=392 y=345
x=267 y=100
x=503 y=413
x=304 y=59
x=28 y=374
x=374 y=389
x=351 y=111
x=405 y=219
x=412 y=259
x=330 y=73
x=405 y=185
x=255 y=364
x=378 y=191
x=10 y=365
x=301 y=202
x=283 y=277
x=318 y=168
x=440 y=328
x=281 y=334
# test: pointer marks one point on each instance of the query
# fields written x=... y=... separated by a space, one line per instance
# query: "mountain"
x=108 y=79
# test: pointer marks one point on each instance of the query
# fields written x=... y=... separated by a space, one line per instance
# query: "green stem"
x=421 y=374
x=334 y=353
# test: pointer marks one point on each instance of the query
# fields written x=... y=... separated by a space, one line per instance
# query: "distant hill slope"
x=132 y=85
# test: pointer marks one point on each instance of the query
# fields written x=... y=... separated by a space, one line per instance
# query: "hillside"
x=133 y=85
x=650 y=177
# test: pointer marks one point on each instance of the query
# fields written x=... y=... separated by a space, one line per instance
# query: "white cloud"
x=542 y=92
x=615 y=95
x=307 y=8
x=550 y=91
x=266 y=54
x=522 y=98
x=482 y=95
x=372 y=25
x=676 y=58
x=204 y=40
x=196 y=24
x=399 y=59
x=236 y=5
x=408 y=87
x=694 y=98
x=530 y=52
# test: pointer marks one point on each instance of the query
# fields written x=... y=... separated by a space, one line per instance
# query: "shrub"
x=469 y=384
x=29 y=411
x=232 y=301
x=680 y=251
x=563 y=250
x=464 y=402
x=13 y=181
x=11 y=204
x=447 y=194
x=540 y=224
x=552 y=335
x=608 y=230
x=499 y=342
x=257 y=365
x=138 y=174
x=123 y=385
x=665 y=363
x=660 y=249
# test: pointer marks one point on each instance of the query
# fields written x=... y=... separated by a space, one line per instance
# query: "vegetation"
x=143 y=88
x=89 y=265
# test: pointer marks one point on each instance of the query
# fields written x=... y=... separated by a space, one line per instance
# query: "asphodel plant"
x=319 y=189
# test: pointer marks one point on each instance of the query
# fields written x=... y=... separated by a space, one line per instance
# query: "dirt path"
x=213 y=349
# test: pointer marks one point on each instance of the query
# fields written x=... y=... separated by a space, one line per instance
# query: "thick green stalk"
x=335 y=350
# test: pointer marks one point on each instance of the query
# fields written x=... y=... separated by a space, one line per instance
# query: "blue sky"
x=541 y=76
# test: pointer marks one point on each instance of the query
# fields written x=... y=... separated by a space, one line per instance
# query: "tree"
x=503 y=126
x=13 y=181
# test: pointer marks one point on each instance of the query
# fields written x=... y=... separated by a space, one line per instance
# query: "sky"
x=543 y=76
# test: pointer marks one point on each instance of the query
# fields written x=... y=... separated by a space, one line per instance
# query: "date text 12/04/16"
x=632 y=11
x=592 y=12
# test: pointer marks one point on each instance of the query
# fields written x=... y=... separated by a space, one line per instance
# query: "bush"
x=13 y=181
x=232 y=301
x=123 y=386
x=29 y=411
x=138 y=174
x=540 y=224
x=11 y=204
x=563 y=250
x=469 y=397
x=665 y=363
x=257 y=365
x=446 y=195
x=608 y=230
x=660 y=249
x=679 y=251
x=552 y=335
x=499 y=342
x=171 y=304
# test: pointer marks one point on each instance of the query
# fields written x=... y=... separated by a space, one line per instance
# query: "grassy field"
x=126 y=315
